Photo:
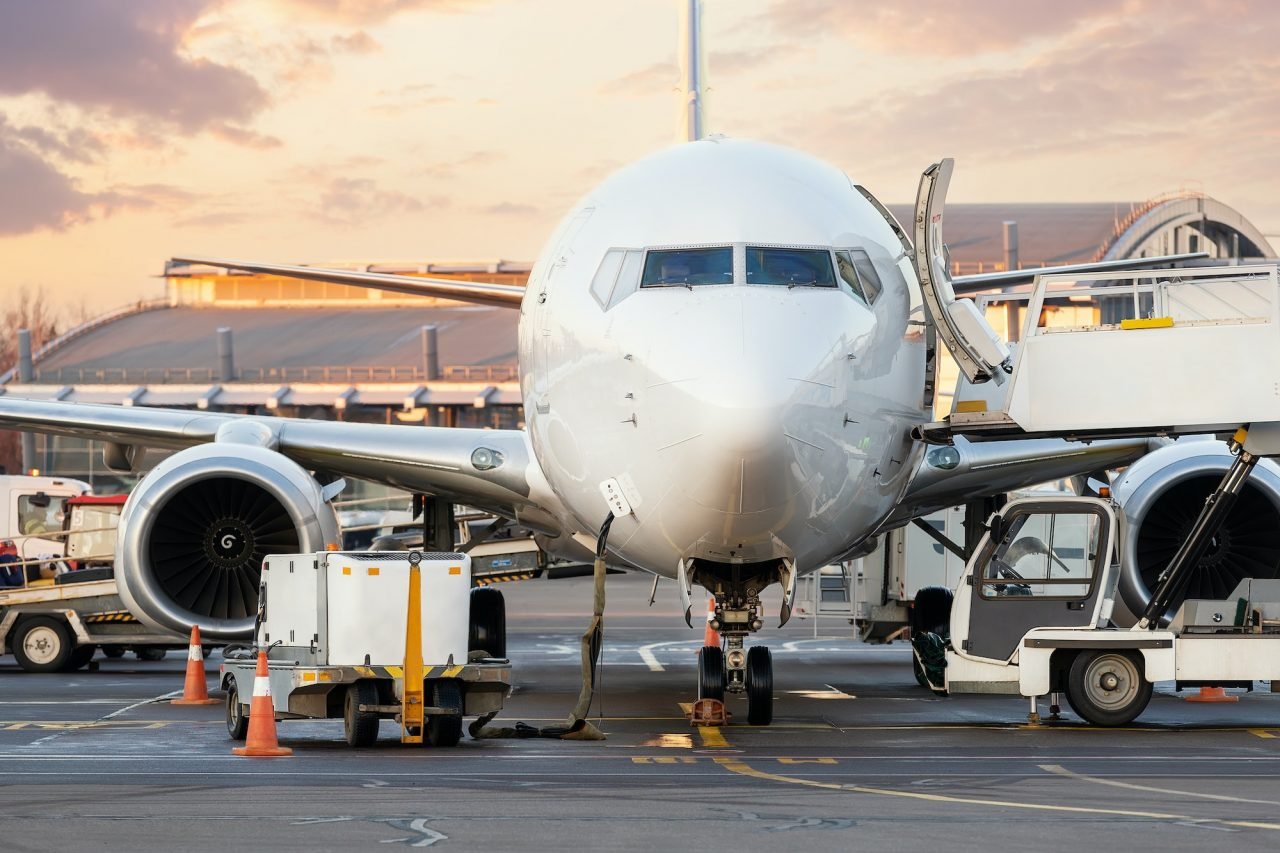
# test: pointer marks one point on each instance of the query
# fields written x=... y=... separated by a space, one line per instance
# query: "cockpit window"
x=792 y=267
x=857 y=271
x=665 y=267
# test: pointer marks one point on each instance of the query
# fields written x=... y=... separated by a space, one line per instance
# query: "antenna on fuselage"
x=693 y=68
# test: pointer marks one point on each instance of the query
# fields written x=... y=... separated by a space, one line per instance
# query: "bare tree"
x=28 y=310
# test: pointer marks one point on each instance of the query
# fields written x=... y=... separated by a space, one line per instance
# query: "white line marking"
x=1059 y=770
x=172 y=693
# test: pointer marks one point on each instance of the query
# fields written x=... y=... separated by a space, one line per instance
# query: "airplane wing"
x=969 y=470
x=480 y=292
x=434 y=460
x=968 y=284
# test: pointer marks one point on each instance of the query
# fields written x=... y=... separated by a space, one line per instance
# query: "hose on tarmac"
x=576 y=727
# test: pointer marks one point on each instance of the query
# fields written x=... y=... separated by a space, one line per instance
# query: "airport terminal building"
x=260 y=344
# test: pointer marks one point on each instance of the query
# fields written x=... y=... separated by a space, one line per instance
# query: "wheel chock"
x=1212 y=694
x=708 y=712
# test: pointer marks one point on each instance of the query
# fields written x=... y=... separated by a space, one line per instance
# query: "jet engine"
x=194 y=533
x=1162 y=494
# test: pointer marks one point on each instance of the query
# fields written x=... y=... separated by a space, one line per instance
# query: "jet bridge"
x=1192 y=351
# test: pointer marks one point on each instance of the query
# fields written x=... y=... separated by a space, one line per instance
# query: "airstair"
x=1186 y=351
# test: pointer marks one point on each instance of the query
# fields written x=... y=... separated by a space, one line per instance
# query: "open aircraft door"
x=981 y=354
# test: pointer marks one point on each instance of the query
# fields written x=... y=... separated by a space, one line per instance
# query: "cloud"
x=448 y=169
x=50 y=199
x=124 y=58
x=73 y=145
x=357 y=42
x=1132 y=87
x=940 y=27
x=350 y=201
x=661 y=77
x=374 y=11
x=245 y=137
x=216 y=219
x=510 y=208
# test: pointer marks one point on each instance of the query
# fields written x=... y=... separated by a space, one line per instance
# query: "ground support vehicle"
x=1032 y=612
x=341 y=630
x=56 y=625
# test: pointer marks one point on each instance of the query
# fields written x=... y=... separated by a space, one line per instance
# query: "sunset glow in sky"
x=328 y=130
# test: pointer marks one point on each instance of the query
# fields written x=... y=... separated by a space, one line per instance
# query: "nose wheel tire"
x=711 y=673
x=759 y=683
x=1108 y=688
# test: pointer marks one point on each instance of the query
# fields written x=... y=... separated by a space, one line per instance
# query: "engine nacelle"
x=1162 y=494
x=194 y=533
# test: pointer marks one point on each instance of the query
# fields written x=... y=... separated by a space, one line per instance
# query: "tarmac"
x=859 y=757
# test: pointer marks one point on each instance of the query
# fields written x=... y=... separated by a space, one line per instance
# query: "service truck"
x=337 y=627
x=67 y=604
x=1032 y=615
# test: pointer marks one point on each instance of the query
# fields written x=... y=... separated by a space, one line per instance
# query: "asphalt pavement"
x=859 y=757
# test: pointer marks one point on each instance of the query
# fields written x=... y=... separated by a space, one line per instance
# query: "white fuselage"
x=745 y=422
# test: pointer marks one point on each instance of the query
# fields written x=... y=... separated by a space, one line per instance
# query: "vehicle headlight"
x=945 y=458
x=486 y=459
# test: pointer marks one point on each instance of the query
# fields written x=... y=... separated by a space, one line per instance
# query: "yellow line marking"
x=686 y=708
x=806 y=761
x=736 y=765
x=671 y=741
x=1263 y=733
x=711 y=736
x=1059 y=770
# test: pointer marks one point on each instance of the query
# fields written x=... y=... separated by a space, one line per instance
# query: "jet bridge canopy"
x=1196 y=351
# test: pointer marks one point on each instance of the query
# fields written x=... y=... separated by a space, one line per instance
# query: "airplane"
x=724 y=349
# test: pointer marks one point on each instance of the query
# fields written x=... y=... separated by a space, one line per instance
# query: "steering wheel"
x=1001 y=569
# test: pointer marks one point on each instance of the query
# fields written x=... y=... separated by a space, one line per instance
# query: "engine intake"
x=1161 y=496
x=196 y=530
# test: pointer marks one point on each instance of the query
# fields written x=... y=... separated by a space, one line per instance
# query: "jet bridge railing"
x=1171 y=352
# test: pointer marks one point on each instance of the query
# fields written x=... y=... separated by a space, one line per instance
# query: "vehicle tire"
x=759 y=683
x=237 y=719
x=43 y=644
x=445 y=729
x=1108 y=688
x=360 y=727
x=80 y=658
x=932 y=611
x=711 y=673
x=488 y=622
x=918 y=671
x=113 y=651
x=151 y=653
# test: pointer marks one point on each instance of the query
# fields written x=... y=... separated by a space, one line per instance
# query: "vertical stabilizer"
x=693 y=67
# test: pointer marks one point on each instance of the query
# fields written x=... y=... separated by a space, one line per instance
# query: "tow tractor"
x=368 y=636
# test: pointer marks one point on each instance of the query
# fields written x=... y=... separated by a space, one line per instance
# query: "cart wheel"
x=43 y=644
x=488 y=622
x=113 y=651
x=932 y=610
x=150 y=653
x=361 y=727
x=711 y=673
x=1108 y=688
x=759 y=679
x=237 y=719
x=80 y=658
x=445 y=729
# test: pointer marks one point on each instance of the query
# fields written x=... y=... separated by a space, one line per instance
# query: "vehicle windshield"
x=664 y=267
x=792 y=267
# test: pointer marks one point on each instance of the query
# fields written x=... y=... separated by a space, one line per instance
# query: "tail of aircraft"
x=693 y=69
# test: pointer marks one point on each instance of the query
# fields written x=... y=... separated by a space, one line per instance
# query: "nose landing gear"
x=731 y=669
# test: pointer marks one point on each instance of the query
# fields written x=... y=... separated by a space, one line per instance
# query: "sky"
x=335 y=130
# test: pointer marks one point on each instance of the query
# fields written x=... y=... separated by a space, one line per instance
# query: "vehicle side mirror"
x=997 y=527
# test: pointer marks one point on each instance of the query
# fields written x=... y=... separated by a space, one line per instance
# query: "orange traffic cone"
x=261 y=741
x=194 y=692
x=712 y=636
x=1212 y=694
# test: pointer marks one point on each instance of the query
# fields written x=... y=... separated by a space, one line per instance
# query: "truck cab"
x=32 y=512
